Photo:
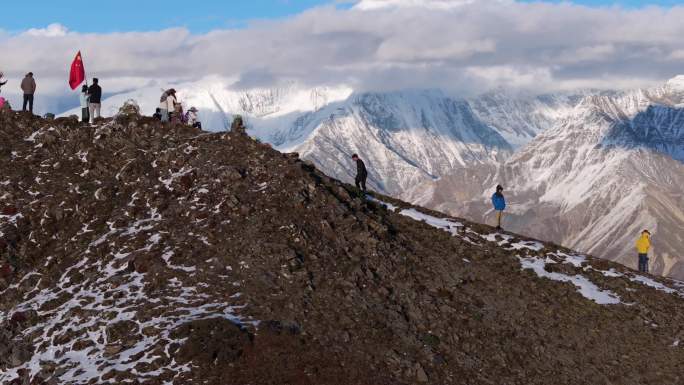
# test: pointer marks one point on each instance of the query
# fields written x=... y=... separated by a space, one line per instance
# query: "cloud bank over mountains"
x=463 y=46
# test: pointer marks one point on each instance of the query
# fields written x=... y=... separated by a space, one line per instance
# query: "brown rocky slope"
x=145 y=254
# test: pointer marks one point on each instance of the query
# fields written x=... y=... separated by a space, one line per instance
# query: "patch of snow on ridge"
x=651 y=283
x=440 y=223
x=33 y=136
x=450 y=226
x=530 y=245
x=610 y=273
x=389 y=206
x=584 y=286
x=505 y=240
x=575 y=260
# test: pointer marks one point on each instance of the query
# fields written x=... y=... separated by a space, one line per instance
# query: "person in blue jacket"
x=499 y=203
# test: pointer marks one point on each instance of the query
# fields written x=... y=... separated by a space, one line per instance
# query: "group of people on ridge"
x=170 y=110
x=643 y=244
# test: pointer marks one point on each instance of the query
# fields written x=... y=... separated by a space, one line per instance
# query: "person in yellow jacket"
x=642 y=246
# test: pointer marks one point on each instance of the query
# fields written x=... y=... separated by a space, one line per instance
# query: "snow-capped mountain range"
x=585 y=169
x=608 y=170
x=520 y=117
x=407 y=138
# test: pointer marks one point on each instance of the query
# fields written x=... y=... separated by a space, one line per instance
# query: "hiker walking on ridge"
x=167 y=104
x=28 y=86
x=643 y=244
x=361 y=173
x=94 y=103
x=85 y=109
x=499 y=203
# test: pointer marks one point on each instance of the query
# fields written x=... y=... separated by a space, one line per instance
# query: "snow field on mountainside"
x=584 y=285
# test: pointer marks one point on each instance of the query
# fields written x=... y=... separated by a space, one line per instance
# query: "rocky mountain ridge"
x=148 y=254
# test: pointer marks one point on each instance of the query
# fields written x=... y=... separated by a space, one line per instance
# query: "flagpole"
x=85 y=76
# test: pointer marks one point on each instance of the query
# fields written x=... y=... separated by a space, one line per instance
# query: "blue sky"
x=146 y=15
x=466 y=49
x=198 y=16
x=629 y=3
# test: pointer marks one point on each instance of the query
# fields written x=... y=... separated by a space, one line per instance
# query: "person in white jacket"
x=85 y=99
x=167 y=104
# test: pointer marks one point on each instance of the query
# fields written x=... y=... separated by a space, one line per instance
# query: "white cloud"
x=462 y=46
x=52 y=30
x=369 y=5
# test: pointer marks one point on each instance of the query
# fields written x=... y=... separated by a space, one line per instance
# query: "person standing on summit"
x=167 y=104
x=94 y=103
x=499 y=203
x=361 y=173
x=643 y=244
x=28 y=86
x=84 y=98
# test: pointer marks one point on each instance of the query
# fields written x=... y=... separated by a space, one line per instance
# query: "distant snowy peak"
x=289 y=99
x=405 y=137
x=519 y=118
x=676 y=84
x=655 y=111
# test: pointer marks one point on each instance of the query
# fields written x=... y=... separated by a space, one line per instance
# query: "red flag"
x=77 y=74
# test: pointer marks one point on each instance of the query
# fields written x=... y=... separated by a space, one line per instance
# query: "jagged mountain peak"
x=676 y=83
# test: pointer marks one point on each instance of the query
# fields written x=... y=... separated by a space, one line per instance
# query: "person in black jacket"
x=95 y=92
x=361 y=173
